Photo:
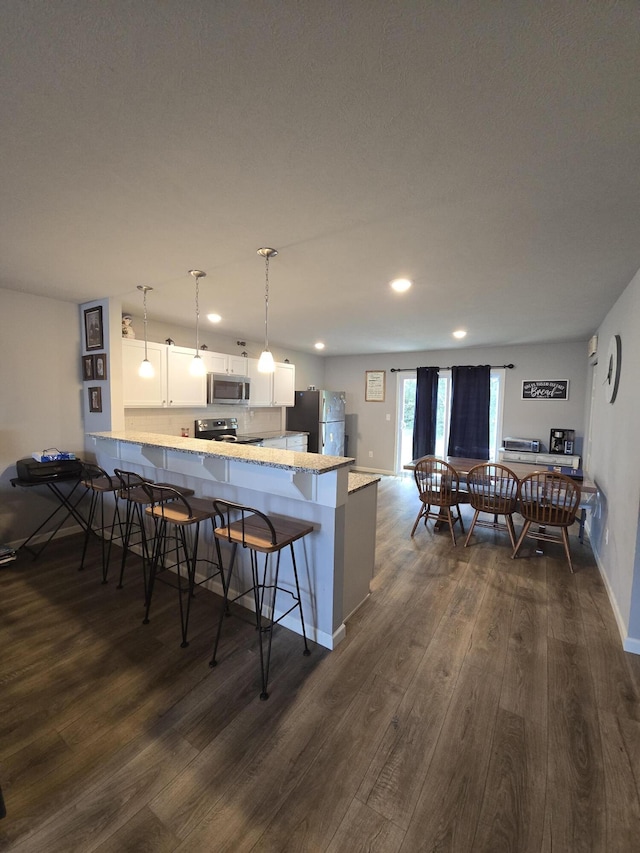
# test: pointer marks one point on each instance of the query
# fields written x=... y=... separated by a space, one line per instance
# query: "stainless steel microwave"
x=227 y=390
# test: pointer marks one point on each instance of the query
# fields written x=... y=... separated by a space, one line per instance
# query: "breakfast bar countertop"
x=291 y=460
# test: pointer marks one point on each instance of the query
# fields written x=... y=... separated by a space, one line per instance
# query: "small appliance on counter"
x=222 y=429
x=523 y=445
x=321 y=414
x=562 y=441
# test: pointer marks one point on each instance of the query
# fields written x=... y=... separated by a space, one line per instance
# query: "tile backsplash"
x=173 y=421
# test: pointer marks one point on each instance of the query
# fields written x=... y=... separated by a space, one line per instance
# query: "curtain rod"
x=492 y=366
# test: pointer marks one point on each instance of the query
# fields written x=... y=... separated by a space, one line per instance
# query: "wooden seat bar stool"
x=178 y=519
x=547 y=499
x=98 y=483
x=439 y=486
x=260 y=534
x=137 y=498
x=493 y=490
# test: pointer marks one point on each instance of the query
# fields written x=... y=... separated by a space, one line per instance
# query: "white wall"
x=615 y=466
x=41 y=398
x=369 y=429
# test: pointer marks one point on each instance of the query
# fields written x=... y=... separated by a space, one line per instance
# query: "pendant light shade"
x=266 y=363
x=197 y=366
x=145 y=370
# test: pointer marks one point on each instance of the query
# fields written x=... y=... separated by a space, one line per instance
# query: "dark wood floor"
x=477 y=704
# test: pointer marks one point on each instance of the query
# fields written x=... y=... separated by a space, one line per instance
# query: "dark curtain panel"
x=424 y=419
x=469 y=428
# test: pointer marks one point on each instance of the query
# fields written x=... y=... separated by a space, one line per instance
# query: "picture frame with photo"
x=100 y=366
x=95 y=399
x=87 y=368
x=93 y=329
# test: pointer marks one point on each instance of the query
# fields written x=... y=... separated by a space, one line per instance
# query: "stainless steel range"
x=222 y=429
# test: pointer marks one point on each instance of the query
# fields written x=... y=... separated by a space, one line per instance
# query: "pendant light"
x=145 y=370
x=265 y=362
x=197 y=366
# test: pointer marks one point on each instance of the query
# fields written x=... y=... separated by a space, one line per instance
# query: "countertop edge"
x=288 y=460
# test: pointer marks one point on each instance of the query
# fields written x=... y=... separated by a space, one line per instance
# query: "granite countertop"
x=359 y=481
x=290 y=460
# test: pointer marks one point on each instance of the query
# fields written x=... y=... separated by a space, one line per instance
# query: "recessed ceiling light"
x=214 y=318
x=319 y=345
x=459 y=333
x=401 y=284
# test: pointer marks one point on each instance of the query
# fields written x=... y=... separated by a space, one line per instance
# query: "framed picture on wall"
x=95 y=399
x=93 y=332
x=374 y=386
x=100 y=365
x=87 y=367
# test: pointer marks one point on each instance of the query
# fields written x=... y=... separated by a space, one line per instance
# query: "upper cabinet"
x=171 y=384
x=183 y=389
x=219 y=362
x=272 y=389
x=139 y=392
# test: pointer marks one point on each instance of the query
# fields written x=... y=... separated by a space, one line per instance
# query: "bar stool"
x=178 y=521
x=136 y=498
x=264 y=534
x=96 y=480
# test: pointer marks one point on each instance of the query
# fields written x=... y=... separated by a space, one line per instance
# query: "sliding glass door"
x=406 y=407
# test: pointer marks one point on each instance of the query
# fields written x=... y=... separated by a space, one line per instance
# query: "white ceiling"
x=487 y=150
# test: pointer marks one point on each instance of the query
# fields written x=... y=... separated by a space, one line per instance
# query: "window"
x=406 y=406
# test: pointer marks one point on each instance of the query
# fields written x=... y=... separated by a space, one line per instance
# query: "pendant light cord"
x=266 y=303
x=197 y=311
x=144 y=302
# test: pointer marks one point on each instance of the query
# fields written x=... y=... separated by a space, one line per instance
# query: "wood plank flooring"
x=477 y=704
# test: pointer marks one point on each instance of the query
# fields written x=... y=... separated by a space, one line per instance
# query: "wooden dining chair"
x=493 y=490
x=439 y=487
x=547 y=499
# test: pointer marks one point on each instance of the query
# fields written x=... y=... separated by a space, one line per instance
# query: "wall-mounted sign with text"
x=545 y=389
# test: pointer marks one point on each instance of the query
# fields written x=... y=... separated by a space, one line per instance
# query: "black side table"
x=67 y=505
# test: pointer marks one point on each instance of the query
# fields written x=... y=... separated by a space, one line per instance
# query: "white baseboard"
x=629 y=644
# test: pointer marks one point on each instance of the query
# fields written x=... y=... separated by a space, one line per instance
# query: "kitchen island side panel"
x=318 y=498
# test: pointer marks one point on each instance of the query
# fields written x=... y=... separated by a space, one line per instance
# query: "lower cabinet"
x=297 y=443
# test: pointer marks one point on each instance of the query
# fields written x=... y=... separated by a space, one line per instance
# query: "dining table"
x=588 y=488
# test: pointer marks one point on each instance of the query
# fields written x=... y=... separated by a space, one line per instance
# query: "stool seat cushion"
x=254 y=532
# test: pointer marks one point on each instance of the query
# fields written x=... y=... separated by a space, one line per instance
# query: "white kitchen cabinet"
x=280 y=443
x=138 y=392
x=238 y=365
x=215 y=362
x=184 y=389
x=272 y=389
x=297 y=443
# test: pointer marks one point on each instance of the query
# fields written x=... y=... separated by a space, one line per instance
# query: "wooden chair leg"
x=473 y=524
x=418 y=517
x=565 y=542
x=525 y=530
x=511 y=529
x=451 y=520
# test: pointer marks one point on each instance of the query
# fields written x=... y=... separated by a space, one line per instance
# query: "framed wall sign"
x=87 y=367
x=374 y=386
x=93 y=333
x=95 y=399
x=100 y=365
x=545 y=389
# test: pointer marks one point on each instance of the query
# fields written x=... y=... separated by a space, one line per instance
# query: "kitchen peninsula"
x=335 y=562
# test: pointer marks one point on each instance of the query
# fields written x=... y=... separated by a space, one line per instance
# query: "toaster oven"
x=523 y=445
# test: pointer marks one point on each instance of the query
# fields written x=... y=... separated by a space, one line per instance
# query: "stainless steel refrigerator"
x=321 y=414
